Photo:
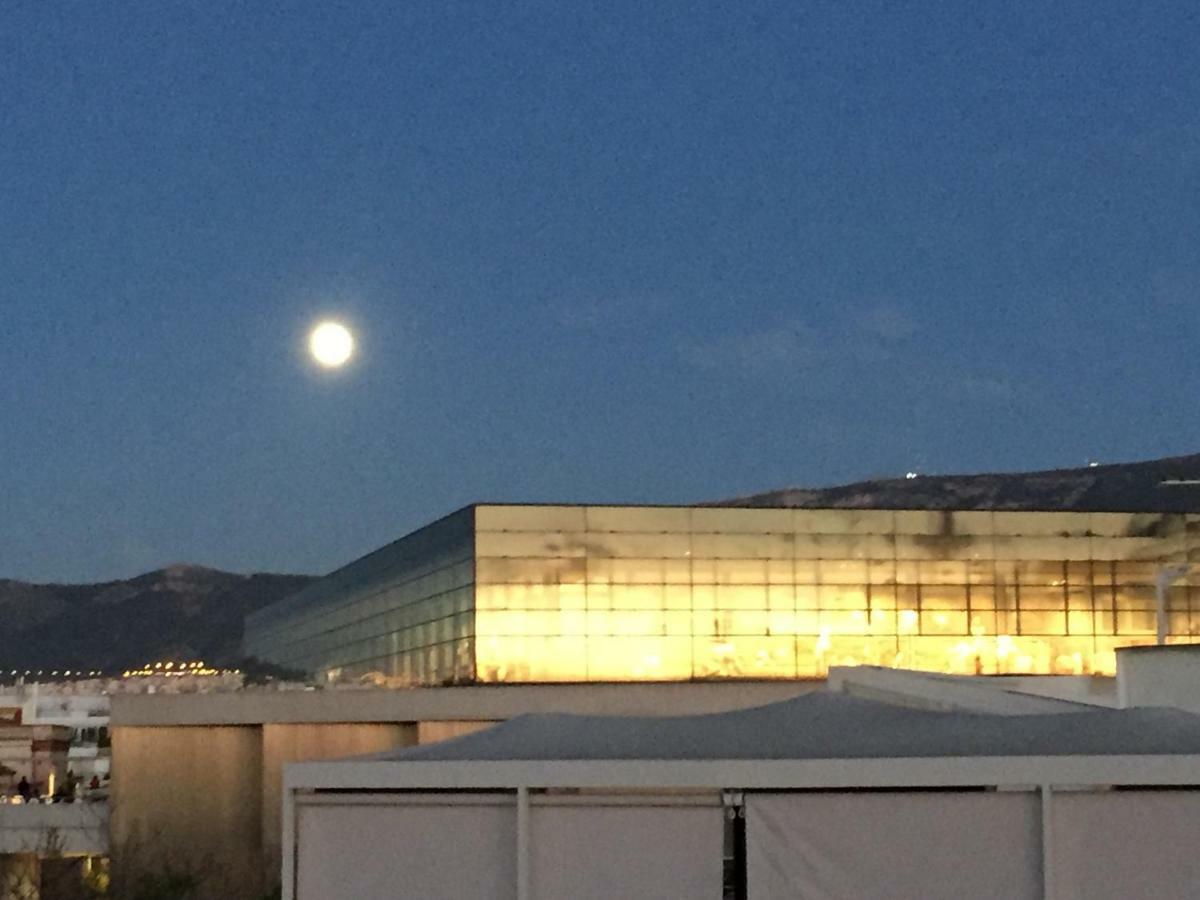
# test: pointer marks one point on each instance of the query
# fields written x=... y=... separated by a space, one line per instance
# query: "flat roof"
x=820 y=726
x=484 y=703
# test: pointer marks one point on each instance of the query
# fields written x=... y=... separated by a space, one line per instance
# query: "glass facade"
x=591 y=593
x=401 y=615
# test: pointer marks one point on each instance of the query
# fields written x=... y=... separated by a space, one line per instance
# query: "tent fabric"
x=904 y=846
x=442 y=848
x=599 y=852
x=1119 y=844
x=821 y=726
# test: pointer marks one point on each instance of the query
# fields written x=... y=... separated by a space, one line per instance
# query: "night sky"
x=602 y=252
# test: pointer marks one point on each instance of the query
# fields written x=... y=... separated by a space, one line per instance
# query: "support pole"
x=288 y=886
x=1047 y=842
x=1166 y=576
x=1160 y=605
x=523 y=844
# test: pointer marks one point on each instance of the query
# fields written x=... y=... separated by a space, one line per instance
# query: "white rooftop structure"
x=950 y=788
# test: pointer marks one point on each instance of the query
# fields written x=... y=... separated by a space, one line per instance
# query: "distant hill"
x=1159 y=485
x=180 y=612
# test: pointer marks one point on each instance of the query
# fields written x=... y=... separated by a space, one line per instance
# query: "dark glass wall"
x=401 y=615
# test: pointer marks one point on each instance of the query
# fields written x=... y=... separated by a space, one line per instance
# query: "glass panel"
x=943 y=597
x=677 y=596
x=1043 y=623
x=844 y=622
x=808 y=596
x=1080 y=622
x=1131 y=573
x=529 y=518
x=1134 y=622
x=843 y=596
x=781 y=597
x=882 y=597
x=781 y=571
x=637 y=596
x=945 y=621
x=641 y=545
x=741 y=571
x=843 y=571
x=982 y=598
x=742 y=546
x=808 y=571
x=943 y=572
x=1141 y=597
x=637 y=571
x=1042 y=598
x=881 y=571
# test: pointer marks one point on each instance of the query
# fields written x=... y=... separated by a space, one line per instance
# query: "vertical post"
x=287 y=877
x=1047 y=843
x=734 y=871
x=523 y=844
x=740 y=889
x=1163 y=580
x=1160 y=604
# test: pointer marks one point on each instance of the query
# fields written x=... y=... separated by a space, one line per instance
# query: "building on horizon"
x=573 y=593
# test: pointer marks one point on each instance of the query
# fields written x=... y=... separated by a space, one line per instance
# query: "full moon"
x=331 y=344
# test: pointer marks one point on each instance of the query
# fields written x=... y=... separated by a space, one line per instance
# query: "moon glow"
x=331 y=344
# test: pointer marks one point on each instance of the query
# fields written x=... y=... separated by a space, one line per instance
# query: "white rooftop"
x=822 y=726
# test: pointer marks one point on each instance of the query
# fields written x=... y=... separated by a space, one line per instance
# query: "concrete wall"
x=283 y=744
x=78 y=828
x=209 y=797
x=1159 y=676
x=201 y=775
x=187 y=796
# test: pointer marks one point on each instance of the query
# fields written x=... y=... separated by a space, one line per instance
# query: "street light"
x=1166 y=576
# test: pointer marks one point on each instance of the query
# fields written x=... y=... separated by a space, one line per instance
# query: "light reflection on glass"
x=790 y=604
x=502 y=594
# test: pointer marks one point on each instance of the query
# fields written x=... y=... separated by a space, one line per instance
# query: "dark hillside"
x=1155 y=486
x=180 y=612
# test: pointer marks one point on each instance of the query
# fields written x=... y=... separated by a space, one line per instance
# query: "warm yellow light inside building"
x=583 y=593
x=743 y=642
x=879 y=588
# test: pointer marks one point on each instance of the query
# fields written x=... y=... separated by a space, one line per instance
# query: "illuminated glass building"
x=498 y=593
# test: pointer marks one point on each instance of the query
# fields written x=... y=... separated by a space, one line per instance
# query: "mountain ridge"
x=187 y=611
x=1170 y=484
x=179 y=611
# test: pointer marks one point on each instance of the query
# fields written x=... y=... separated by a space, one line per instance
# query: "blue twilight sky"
x=618 y=251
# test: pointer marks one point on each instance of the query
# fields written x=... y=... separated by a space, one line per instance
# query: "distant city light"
x=173 y=669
